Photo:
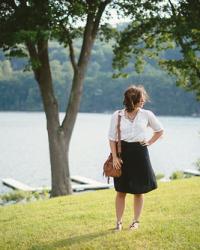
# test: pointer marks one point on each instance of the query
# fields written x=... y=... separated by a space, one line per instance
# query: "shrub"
x=177 y=175
x=36 y=195
x=15 y=196
x=45 y=193
x=18 y=196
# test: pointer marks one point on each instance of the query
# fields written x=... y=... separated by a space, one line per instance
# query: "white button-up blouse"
x=133 y=131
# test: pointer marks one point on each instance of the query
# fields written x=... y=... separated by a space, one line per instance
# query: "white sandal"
x=134 y=225
x=118 y=226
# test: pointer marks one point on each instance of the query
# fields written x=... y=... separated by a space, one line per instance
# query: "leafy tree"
x=26 y=27
x=163 y=25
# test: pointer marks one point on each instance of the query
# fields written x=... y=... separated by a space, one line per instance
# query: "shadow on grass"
x=71 y=240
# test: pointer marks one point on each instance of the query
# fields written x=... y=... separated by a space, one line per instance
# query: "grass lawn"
x=170 y=220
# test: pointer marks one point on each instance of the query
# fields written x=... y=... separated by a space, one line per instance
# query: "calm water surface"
x=25 y=155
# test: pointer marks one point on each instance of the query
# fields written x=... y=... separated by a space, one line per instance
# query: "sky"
x=115 y=20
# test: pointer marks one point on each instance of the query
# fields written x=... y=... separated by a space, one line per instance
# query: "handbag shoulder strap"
x=119 y=149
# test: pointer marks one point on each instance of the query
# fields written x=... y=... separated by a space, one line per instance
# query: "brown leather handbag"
x=108 y=169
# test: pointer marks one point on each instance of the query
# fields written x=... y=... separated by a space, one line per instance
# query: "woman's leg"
x=120 y=205
x=138 y=205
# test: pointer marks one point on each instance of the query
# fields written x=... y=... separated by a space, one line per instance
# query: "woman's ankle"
x=119 y=219
x=118 y=226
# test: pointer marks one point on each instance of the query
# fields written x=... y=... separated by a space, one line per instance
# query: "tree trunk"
x=58 y=148
x=61 y=183
x=60 y=136
x=78 y=79
x=80 y=69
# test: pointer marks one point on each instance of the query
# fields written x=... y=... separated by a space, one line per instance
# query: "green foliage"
x=36 y=195
x=15 y=196
x=44 y=193
x=85 y=221
x=20 y=24
x=107 y=32
x=160 y=25
x=177 y=175
x=31 y=21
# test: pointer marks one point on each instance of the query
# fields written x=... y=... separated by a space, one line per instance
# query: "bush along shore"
x=18 y=196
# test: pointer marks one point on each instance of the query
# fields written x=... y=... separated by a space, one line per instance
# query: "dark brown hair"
x=133 y=95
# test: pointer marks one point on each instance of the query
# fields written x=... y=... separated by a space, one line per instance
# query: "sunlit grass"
x=170 y=220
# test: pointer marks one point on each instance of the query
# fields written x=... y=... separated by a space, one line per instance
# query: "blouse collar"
x=122 y=112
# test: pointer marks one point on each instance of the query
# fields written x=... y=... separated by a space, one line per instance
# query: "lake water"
x=25 y=155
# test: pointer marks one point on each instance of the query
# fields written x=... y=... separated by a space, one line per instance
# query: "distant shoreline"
x=105 y=112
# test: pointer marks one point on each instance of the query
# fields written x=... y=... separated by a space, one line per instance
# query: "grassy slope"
x=170 y=220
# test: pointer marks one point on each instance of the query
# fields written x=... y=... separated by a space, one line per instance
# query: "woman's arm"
x=154 y=138
x=116 y=161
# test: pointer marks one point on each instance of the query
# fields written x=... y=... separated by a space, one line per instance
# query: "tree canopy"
x=26 y=26
x=163 y=25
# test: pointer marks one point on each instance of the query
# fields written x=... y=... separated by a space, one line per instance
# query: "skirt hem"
x=131 y=192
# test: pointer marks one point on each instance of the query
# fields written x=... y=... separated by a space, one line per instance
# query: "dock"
x=14 y=184
x=79 y=184
x=192 y=172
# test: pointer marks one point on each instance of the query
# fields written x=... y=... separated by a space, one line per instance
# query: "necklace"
x=131 y=118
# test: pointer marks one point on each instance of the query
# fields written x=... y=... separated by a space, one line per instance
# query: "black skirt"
x=137 y=174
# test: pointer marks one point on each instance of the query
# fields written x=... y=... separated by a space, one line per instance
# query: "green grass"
x=170 y=220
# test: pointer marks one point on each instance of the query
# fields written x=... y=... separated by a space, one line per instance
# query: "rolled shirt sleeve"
x=153 y=122
x=112 y=134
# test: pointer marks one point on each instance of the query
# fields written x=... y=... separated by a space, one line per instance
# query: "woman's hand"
x=155 y=137
x=117 y=162
x=145 y=143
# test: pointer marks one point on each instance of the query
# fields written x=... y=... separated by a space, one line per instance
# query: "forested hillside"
x=19 y=91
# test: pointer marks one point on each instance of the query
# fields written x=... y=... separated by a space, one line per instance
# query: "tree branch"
x=71 y=47
x=23 y=3
x=89 y=2
x=91 y=28
x=33 y=56
x=100 y=11
x=72 y=55
x=180 y=40
x=87 y=40
x=12 y=4
x=173 y=8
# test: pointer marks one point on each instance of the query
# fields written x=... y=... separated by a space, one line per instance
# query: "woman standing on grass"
x=137 y=174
